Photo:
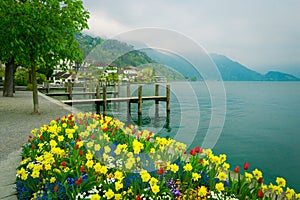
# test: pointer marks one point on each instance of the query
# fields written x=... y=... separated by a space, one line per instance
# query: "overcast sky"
x=261 y=34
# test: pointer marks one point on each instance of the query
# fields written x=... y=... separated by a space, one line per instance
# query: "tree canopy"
x=40 y=33
x=40 y=30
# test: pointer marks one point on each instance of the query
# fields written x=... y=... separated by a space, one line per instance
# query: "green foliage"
x=21 y=76
x=112 y=52
x=87 y=43
x=36 y=32
x=2 y=71
x=133 y=58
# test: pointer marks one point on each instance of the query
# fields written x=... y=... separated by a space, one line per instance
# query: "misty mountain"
x=234 y=71
x=124 y=55
x=175 y=62
x=279 y=76
x=229 y=69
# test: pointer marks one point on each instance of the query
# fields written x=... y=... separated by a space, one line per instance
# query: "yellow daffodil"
x=119 y=175
x=52 y=179
x=280 y=182
x=174 y=168
x=222 y=176
x=155 y=189
x=289 y=193
x=220 y=187
x=109 y=194
x=257 y=174
x=195 y=176
x=188 y=167
x=145 y=176
x=118 y=185
x=95 y=197
x=202 y=191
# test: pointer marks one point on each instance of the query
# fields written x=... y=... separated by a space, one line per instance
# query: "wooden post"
x=98 y=92
x=156 y=101
x=115 y=89
x=128 y=89
x=69 y=90
x=47 y=87
x=168 y=106
x=119 y=91
x=84 y=86
x=98 y=108
x=128 y=104
x=104 y=100
x=140 y=100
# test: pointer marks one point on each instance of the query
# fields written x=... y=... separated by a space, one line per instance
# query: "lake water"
x=261 y=122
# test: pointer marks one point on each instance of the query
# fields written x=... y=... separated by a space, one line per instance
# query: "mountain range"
x=234 y=71
x=229 y=69
x=124 y=55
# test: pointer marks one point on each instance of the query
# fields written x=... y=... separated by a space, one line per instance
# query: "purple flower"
x=177 y=193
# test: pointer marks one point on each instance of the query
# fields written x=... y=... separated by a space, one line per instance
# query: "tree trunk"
x=8 y=89
x=34 y=91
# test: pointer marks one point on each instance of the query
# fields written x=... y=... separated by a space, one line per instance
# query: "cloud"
x=102 y=25
x=256 y=33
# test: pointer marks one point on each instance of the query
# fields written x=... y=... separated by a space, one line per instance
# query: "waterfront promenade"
x=16 y=122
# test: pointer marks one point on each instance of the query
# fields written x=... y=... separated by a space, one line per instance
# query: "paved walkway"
x=16 y=122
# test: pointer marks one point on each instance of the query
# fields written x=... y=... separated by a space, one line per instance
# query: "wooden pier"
x=69 y=92
x=129 y=99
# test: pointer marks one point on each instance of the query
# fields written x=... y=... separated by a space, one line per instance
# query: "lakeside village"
x=107 y=75
x=81 y=74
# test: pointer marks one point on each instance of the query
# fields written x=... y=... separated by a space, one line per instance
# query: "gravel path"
x=16 y=122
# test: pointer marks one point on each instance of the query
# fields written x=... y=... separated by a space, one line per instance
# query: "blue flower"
x=70 y=181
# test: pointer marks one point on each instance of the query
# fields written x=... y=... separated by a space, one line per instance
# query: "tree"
x=38 y=34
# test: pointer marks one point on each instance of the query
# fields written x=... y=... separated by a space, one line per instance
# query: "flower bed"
x=88 y=156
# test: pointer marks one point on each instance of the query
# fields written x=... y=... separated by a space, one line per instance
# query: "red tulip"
x=138 y=197
x=82 y=170
x=55 y=188
x=32 y=146
x=260 y=180
x=260 y=194
x=237 y=169
x=63 y=163
x=160 y=171
x=80 y=152
x=198 y=149
x=200 y=161
x=41 y=137
x=246 y=166
x=193 y=152
x=78 y=182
